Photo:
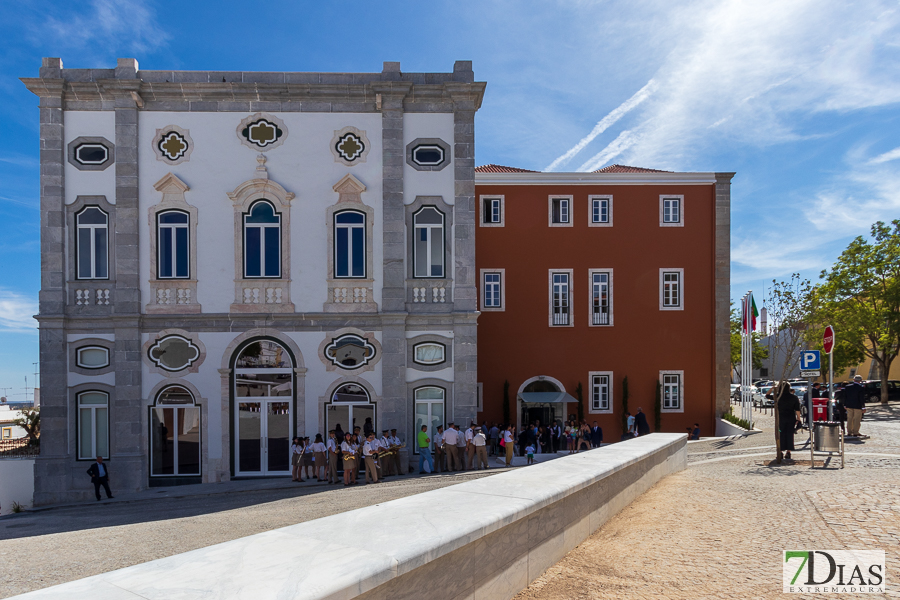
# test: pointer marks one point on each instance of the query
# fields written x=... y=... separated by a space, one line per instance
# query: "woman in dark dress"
x=788 y=415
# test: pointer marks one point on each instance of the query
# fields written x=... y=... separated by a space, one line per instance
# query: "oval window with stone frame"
x=428 y=155
x=429 y=353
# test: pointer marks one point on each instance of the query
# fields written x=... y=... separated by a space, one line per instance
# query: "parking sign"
x=810 y=360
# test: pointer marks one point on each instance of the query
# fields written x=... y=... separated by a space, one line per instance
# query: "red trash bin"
x=820 y=409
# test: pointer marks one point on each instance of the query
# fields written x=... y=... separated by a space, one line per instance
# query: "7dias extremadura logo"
x=833 y=571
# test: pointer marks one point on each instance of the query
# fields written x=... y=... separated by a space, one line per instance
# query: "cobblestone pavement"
x=717 y=529
x=47 y=548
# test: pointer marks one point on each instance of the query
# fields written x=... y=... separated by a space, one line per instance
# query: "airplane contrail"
x=624 y=141
x=606 y=122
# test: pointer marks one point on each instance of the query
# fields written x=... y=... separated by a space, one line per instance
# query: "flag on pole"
x=750 y=314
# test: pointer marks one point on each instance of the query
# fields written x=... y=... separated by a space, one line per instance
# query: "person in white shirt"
x=296 y=458
x=439 y=466
x=331 y=449
x=495 y=439
x=370 y=453
x=399 y=453
x=460 y=448
x=450 y=438
x=479 y=441
x=348 y=449
x=470 y=447
x=508 y=440
x=318 y=449
x=385 y=458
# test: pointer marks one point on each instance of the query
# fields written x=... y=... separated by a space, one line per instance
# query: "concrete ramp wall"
x=486 y=538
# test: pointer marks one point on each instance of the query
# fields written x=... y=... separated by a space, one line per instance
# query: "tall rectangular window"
x=92 y=244
x=262 y=241
x=671 y=211
x=600 y=392
x=93 y=425
x=428 y=248
x=492 y=297
x=559 y=298
x=172 y=245
x=601 y=210
x=559 y=211
x=671 y=391
x=601 y=286
x=491 y=210
x=671 y=289
x=350 y=245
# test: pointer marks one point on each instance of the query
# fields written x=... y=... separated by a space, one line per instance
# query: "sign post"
x=828 y=344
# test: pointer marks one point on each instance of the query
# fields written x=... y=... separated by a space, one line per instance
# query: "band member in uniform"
x=479 y=441
x=460 y=448
x=470 y=447
x=370 y=453
x=307 y=462
x=397 y=448
x=331 y=449
x=296 y=457
x=384 y=457
x=450 y=438
x=439 y=466
x=319 y=450
x=348 y=449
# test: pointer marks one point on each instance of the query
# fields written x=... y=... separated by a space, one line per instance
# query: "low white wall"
x=16 y=483
x=486 y=538
x=726 y=428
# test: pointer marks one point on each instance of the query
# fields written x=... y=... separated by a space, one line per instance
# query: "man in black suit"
x=100 y=476
x=640 y=423
x=596 y=435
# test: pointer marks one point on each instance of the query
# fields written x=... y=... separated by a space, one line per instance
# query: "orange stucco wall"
x=519 y=344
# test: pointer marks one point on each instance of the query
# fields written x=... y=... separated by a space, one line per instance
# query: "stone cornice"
x=554 y=178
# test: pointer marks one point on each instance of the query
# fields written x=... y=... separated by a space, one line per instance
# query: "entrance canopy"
x=545 y=397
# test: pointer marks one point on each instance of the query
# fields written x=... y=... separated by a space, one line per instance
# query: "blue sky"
x=800 y=98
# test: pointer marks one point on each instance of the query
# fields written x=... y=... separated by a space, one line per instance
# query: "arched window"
x=263 y=395
x=351 y=406
x=350 y=244
x=262 y=241
x=429 y=410
x=92 y=248
x=173 y=245
x=428 y=248
x=93 y=425
x=175 y=434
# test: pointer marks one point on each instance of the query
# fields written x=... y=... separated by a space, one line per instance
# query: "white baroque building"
x=229 y=259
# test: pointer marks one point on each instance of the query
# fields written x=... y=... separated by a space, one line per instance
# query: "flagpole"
x=750 y=351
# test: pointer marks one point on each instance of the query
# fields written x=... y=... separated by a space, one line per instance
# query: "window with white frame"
x=601 y=391
x=492 y=211
x=92 y=247
x=93 y=425
x=601 y=297
x=671 y=289
x=560 y=296
x=173 y=245
x=491 y=289
x=350 y=245
x=601 y=211
x=560 y=210
x=671 y=211
x=428 y=247
x=429 y=410
x=672 y=383
x=262 y=241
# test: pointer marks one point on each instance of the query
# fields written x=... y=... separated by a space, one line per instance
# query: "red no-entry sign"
x=828 y=339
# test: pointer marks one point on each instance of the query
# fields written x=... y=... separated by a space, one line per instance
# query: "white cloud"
x=16 y=312
x=889 y=155
x=605 y=123
x=625 y=140
x=124 y=24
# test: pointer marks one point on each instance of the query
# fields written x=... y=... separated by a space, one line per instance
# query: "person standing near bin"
x=788 y=414
x=855 y=405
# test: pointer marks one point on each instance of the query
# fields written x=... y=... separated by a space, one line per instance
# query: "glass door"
x=277 y=437
x=249 y=434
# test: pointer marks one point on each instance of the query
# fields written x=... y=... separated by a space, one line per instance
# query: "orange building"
x=591 y=278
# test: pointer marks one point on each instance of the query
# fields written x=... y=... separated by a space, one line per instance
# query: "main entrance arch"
x=543 y=399
x=351 y=406
x=263 y=386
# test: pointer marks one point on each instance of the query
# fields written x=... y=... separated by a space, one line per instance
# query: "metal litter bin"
x=828 y=436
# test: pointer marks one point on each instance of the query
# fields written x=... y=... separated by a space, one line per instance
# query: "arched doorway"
x=351 y=406
x=175 y=432
x=542 y=399
x=263 y=386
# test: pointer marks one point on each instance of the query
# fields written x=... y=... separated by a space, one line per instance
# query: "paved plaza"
x=717 y=529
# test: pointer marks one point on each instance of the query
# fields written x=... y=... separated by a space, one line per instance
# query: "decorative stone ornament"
x=428 y=154
x=91 y=153
x=173 y=145
x=262 y=132
x=350 y=146
x=173 y=353
x=350 y=351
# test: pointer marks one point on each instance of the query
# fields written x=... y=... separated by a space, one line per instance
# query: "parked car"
x=736 y=391
x=873 y=390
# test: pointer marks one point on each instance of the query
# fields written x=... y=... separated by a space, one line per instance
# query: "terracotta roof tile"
x=501 y=169
x=627 y=169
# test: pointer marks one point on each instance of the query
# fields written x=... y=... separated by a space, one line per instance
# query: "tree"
x=860 y=297
x=578 y=394
x=789 y=305
x=30 y=421
x=760 y=352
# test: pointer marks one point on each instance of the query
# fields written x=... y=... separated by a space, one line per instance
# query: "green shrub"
x=737 y=420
